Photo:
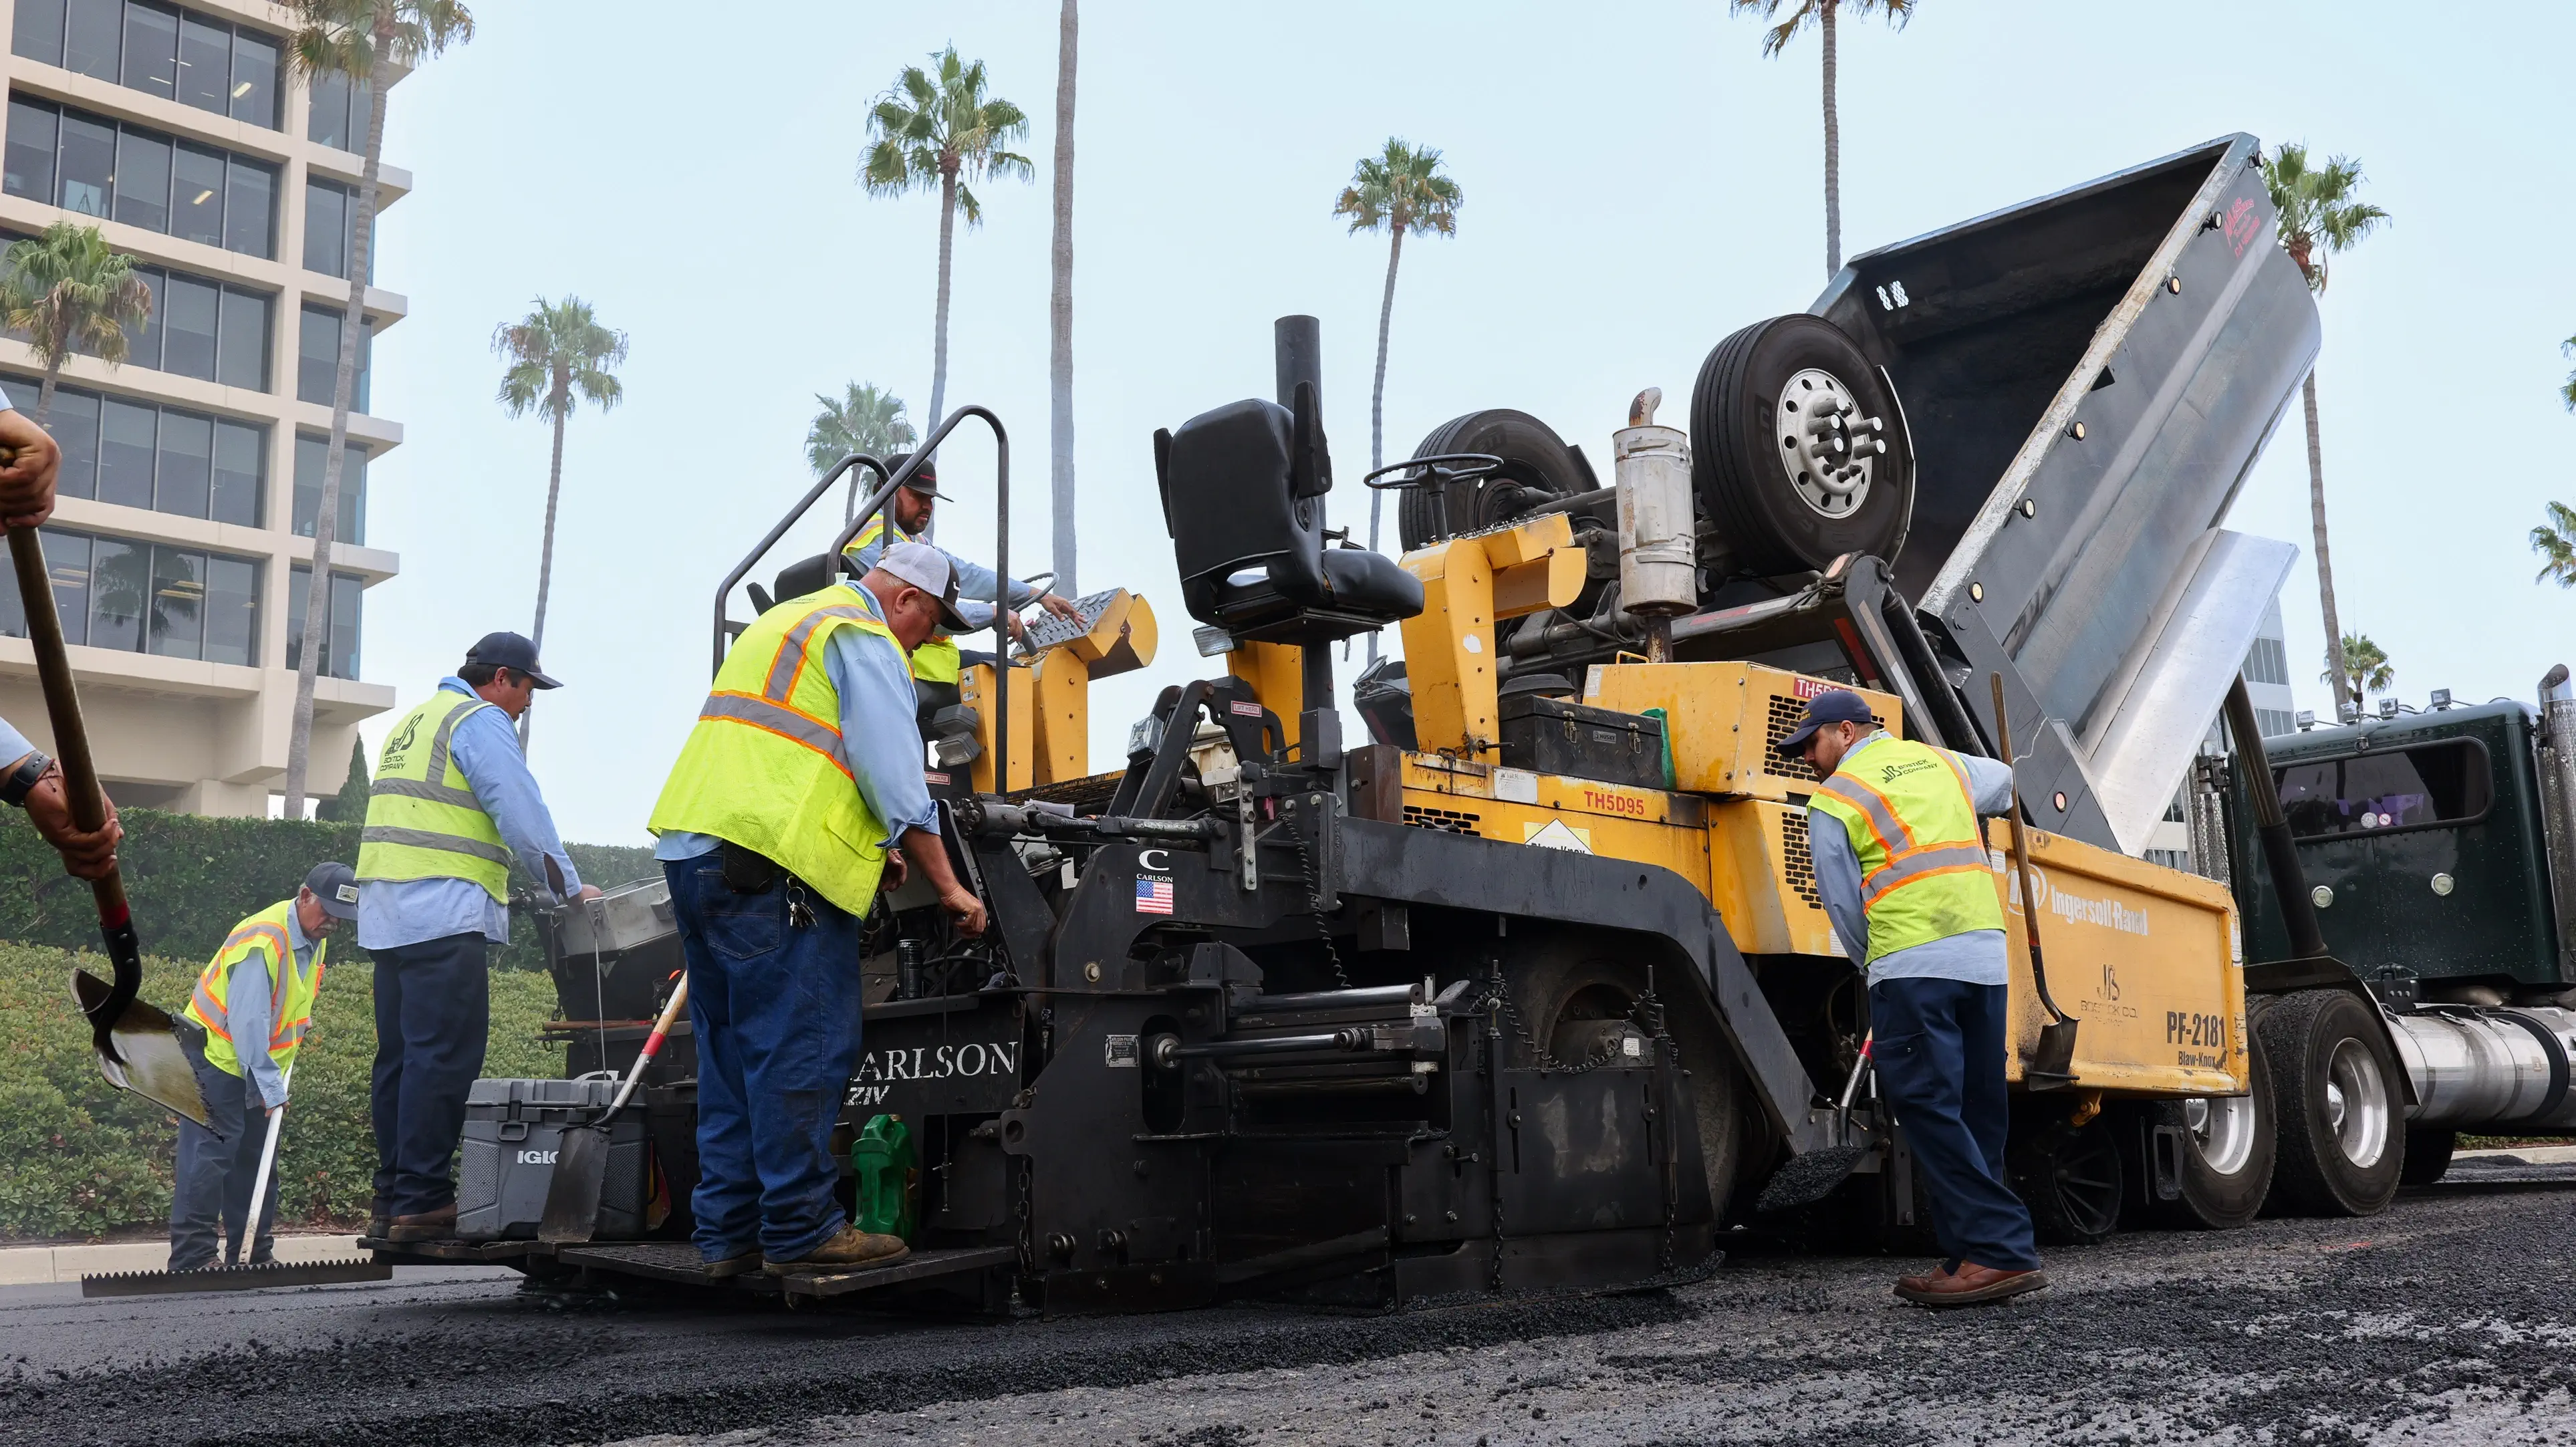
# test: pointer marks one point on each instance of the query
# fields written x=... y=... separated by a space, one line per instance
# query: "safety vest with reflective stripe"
x=937 y=660
x=423 y=821
x=259 y=940
x=1912 y=819
x=763 y=768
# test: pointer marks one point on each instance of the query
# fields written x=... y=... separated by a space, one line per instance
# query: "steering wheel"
x=1435 y=473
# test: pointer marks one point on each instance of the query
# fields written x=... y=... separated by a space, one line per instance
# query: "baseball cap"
x=926 y=568
x=1834 y=705
x=925 y=481
x=336 y=885
x=511 y=651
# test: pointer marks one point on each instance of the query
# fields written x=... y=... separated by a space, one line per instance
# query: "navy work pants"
x=1940 y=1054
x=433 y=1014
x=775 y=1007
x=215 y=1173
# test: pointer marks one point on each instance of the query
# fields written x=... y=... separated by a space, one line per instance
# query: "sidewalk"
x=37 y=1265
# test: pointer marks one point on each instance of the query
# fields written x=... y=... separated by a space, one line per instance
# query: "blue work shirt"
x=13 y=744
x=397 y=912
x=879 y=742
x=1976 y=957
x=247 y=1011
x=975 y=582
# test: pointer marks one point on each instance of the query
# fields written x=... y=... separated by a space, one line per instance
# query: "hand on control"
x=960 y=901
x=85 y=855
x=28 y=462
x=588 y=891
x=1019 y=630
x=1060 y=606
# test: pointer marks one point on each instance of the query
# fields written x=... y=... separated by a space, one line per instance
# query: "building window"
x=202 y=328
x=337 y=116
x=98 y=167
x=140 y=597
x=312 y=455
x=340 y=629
x=2275 y=722
x=2267 y=662
x=317 y=368
x=167 y=459
x=198 y=60
x=331 y=229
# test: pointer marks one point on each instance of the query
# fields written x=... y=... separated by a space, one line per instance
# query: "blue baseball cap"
x=511 y=651
x=336 y=885
x=1834 y=705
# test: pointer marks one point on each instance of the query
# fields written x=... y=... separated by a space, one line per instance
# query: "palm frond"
x=68 y=291
x=559 y=355
x=934 y=122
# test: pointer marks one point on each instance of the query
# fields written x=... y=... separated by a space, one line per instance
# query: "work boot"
x=1943 y=1272
x=732 y=1266
x=1973 y=1285
x=438 y=1225
x=852 y=1250
x=380 y=1218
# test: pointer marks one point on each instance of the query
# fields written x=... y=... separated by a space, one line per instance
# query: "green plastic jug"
x=889 y=1177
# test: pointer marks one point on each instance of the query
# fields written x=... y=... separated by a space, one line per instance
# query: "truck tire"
x=2337 y=1105
x=2228 y=1146
x=2071 y=1178
x=2428 y=1156
x=1779 y=506
x=1569 y=1002
x=1537 y=466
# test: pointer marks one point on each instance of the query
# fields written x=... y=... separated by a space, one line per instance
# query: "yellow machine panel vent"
x=1798 y=864
x=1447 y=821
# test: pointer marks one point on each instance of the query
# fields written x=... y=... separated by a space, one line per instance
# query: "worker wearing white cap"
x=939 y=660
x=779 y=824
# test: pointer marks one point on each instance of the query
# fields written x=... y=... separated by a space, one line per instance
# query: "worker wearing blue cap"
x=1901 y=862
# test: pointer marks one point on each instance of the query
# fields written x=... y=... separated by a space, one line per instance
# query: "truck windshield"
x=2370 y=793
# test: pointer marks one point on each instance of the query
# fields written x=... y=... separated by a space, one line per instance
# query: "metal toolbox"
x=622 y=919
x=611 y=956
x=1551 y=736
x=513 y=1131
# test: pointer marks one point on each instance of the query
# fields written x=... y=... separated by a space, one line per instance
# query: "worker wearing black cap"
x=254 y=1022
x=1901 y=863
x=452 y=806
x=940 y=660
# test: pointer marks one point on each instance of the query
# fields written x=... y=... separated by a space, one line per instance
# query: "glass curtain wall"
x=196 y=59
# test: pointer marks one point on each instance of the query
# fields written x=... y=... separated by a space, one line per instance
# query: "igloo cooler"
x=513 y=1132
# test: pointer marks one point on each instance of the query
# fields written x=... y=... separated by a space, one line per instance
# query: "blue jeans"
x=1940 y=1054
x=213 y=1187
x=433 y=1015
x=775 y=1008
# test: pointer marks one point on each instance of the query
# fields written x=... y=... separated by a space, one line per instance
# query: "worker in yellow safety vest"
x=940 y=660
x=453 y=804
x=253 y=1003
x=1901 y=862
x=798 y=794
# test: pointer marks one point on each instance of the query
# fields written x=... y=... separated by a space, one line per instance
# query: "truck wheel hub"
x=1826 y=446
x=2222 y=1130
x=2356 y=1104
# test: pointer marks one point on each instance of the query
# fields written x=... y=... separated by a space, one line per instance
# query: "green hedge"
x=192 y=878
x=81 y=1158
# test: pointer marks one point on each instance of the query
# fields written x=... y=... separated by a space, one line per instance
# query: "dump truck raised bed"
x=1533 y=988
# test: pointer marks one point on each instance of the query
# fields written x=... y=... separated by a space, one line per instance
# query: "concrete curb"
x=2528 y=1155
x=38 y=1265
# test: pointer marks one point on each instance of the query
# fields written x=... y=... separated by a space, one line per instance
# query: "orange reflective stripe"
x=1875 y=811
x=1924 y=864
x=794 y=725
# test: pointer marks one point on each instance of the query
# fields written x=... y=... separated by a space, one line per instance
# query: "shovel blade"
x=572 y=1195
x=2052 y=1065
x=155 y=1067
x=1809 y=1178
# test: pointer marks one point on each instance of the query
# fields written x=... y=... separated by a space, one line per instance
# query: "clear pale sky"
x=1639 y=182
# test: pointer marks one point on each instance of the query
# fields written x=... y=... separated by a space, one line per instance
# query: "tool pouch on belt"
x=749 y=871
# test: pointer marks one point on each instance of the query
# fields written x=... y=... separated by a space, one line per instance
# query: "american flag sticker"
x=1153 y=894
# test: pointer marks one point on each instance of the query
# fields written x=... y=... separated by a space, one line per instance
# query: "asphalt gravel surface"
x=2448 y=1319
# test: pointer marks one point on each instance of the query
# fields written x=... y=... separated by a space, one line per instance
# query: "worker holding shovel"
x=254 y=1002
x=28 y=778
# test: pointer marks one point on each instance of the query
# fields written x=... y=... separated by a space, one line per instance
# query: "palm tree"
x=1399 y=191
x=1821 y=14
x=2567 y=393
x=1060 y=310
x=2318 y=217
x=559 y=357
x=942 y=132
x=365 y=41
x=69 y=291
x=2365 y=670
x=866 y=419
x=2555 y=541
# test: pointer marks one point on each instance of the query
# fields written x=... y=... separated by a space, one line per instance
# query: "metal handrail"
x=879 y=501
x=795 y=514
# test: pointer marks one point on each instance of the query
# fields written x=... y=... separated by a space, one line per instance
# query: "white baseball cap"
x=926 y=568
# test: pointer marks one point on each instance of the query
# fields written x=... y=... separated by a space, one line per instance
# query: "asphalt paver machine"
x=1531 y=987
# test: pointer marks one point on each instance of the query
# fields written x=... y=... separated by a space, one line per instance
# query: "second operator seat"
x=1243 y=490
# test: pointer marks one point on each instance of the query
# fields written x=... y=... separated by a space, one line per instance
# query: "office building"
x=181 y=551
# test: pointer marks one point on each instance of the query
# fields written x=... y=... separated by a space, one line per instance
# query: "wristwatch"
x=13 y=792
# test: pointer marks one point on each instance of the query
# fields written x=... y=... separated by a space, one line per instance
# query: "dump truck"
x=2434 y=853
x=1531 y=987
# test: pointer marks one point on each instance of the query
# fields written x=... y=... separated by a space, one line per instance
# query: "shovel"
x=2052 y=1065
x=137 y=1044
x=1817 y=1174
x=581 y=1159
